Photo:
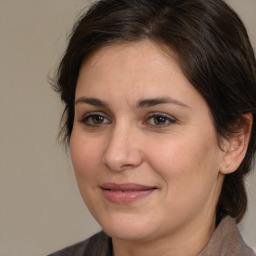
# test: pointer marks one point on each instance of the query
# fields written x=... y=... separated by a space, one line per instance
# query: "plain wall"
x=41 y=209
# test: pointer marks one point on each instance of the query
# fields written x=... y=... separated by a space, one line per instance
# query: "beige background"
x=41 y=210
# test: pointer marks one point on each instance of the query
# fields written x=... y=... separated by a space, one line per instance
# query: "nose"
x=123 y=150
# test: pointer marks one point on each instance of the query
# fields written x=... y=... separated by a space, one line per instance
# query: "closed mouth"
x=125 y=187
x=125 y=193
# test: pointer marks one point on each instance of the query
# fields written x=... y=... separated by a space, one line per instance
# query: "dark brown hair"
x=214 y=52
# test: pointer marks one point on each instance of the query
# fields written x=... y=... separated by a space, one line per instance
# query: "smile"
x=125 y=193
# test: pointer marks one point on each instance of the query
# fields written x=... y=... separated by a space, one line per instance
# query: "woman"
x=160 y=100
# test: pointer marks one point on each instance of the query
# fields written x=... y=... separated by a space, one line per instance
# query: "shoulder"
x=99 y=244
x=227 y=240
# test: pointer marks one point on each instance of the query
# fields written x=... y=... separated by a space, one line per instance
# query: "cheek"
x=189 y=172
x=186 y=161
x=85 y=155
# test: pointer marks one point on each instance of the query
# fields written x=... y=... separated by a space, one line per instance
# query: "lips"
x=125 y=193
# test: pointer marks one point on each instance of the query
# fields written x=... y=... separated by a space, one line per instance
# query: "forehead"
x=138 y=50
x=138 y=63
x=132 y=71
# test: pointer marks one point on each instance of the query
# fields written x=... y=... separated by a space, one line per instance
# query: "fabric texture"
x=98 y=245
x=226 y=241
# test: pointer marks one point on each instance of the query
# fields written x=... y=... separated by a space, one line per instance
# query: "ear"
x=236 y=147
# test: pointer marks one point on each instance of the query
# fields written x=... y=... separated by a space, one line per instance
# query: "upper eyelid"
x=100 y=113
x=152 y=114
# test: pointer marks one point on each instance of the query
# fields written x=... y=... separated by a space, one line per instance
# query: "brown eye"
x=95 y=120
x=160 y=120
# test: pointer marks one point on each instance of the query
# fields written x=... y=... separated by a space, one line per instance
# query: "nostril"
x=125 y=162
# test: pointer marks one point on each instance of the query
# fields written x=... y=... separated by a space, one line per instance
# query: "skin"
x=175 y=152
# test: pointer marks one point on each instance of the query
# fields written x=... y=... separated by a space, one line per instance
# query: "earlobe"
x=236 y=147
x=233 y=155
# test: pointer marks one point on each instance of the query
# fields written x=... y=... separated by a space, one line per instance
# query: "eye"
x=95 y=119
x=160 y=120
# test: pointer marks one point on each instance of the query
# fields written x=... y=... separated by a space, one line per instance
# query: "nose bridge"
x=122 y=149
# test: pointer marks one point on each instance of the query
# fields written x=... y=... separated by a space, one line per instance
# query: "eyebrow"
x=142 y=103
x=92 y=101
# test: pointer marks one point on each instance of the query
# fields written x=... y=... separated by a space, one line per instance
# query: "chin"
x=128 y=228
x=128 y=234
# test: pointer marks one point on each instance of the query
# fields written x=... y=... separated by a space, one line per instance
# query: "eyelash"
x=88 y=120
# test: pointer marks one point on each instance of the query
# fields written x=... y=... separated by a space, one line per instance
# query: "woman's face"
x=143 y=145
